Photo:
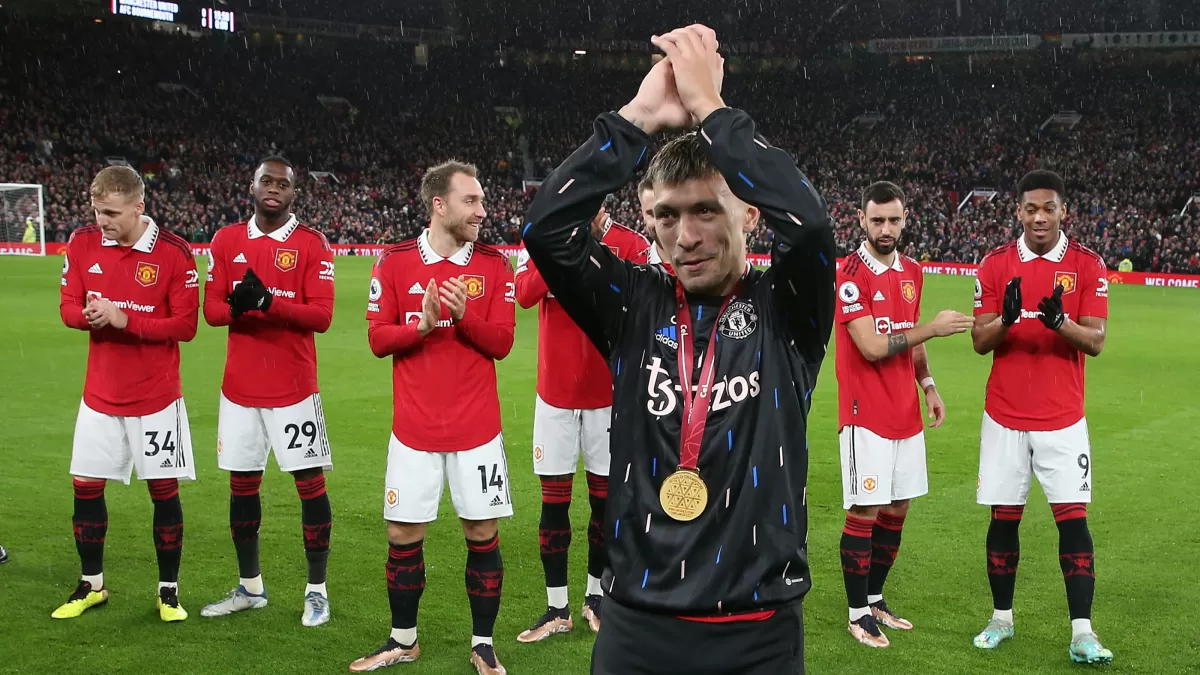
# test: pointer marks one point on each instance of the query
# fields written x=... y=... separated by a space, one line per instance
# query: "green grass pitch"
x=1142 y=408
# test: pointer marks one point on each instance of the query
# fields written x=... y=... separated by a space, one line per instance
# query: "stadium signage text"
x=146 y=9
x=940 y=268
x=981 y=43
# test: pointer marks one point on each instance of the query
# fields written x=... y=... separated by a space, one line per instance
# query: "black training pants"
x=632 y=642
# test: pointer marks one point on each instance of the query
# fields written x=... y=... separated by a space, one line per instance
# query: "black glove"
x=249 y=295
x=1052 y=309
x=1012 y=302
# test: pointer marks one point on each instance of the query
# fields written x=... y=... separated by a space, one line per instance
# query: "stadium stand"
x=362 y=119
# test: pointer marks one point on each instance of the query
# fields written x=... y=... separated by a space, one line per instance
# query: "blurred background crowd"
x=361 y=119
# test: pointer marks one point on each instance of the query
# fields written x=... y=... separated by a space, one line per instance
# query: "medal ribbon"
x=695 y=409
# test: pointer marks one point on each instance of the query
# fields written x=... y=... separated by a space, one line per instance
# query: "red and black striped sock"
x=245 y=517
x=597 y=498
x=1076 y=558
x=90 y=522
x=316 y=516
x=554 y=530
x=885 y=545
x=485 y=580
x=1003 y=554
x=856 y=559
x=405 y=582
x=168 y=528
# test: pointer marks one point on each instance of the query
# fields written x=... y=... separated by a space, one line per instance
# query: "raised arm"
x=590 y=282
x=531 y=288
x=802 y=254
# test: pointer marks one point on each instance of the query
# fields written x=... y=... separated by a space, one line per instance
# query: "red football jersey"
x=135 y=371
x=880 y=396
x=571 y=373
x=271 y=357
x=444 y=384
x=1037 y=377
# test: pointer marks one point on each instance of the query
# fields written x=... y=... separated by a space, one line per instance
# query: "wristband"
x=927 y=383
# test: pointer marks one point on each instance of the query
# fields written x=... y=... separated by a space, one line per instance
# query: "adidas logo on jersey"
x=241 y=258
x=95 y=269
x=878 y=296
x=416 y=289
x=311 y=454
x=496 y=501
x=1085 y=487
x=167 y=464
x=668 y=336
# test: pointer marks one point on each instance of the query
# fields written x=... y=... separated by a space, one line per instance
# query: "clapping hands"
x=683 y=89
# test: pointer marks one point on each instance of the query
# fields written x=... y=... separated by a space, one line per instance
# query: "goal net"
x=22 y=220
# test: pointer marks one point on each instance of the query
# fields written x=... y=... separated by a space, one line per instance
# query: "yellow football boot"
x=169 y=608
x=83 y=599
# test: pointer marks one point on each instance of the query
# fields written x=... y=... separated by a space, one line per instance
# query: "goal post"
x=22 y=219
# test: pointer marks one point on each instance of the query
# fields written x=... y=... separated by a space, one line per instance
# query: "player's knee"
x=400 y=534
x=597 y=486
x=864 y=512
x=479 y=530
x=557 y=489
x=307 y=474
x=162 y=489
x=1007 y=513
x=85 y=479
x=244 y=483
x=898 y=507
x=1068 y=512
x=310 y=485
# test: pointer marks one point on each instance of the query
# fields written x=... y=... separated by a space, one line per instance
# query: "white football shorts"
x=478 y=482
x=245 y=436
x=877 y=471
x=1008 y=460
x=559 y=434
x=159 y=445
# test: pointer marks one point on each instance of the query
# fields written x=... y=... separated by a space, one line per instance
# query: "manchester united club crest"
x=392 y=496
x=908 y=290
x=870 y=484
x=739 y=320
x=146 y=274
x=1066 y=280
x=474 y=284
x=286 y=259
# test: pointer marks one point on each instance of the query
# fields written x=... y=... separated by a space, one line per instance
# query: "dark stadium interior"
x=195 y=112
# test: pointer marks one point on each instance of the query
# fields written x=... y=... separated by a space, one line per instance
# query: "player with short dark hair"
x=572 y=412
x=1041 y=306
x=442 y=306
x=646 y=199
x=271 y=280
x=881 y=359
x=134 y=288
x=712 y=371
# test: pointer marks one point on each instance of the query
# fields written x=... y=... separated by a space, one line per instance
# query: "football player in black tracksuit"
x=706 y=522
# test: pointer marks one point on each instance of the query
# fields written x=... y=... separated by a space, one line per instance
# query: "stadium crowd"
x=196 y=114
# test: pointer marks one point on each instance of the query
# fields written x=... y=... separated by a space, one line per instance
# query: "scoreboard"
x=193 y=13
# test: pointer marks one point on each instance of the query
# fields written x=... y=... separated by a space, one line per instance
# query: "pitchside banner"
x=940 y=268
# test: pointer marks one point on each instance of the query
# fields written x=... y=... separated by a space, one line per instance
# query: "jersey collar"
x=145 y=244
x=461 y=257
x=1055 y=255
x=280 y=235
x=876 y=266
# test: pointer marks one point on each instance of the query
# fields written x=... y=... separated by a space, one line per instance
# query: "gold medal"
x=683 y=495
